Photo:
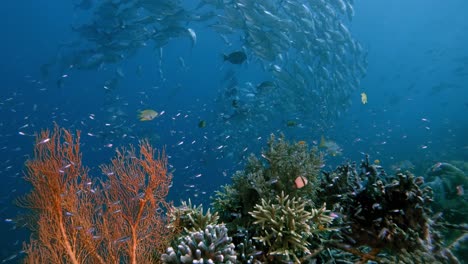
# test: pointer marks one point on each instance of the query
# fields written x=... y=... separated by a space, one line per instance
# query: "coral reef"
x=386 y=213
x=213 y=245
x=269 y=212
x=379 y=217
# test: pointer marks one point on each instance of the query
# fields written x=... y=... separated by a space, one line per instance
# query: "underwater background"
x=212 y=113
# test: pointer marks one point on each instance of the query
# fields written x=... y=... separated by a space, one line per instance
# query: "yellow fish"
x=364 y=98
x=147 y=115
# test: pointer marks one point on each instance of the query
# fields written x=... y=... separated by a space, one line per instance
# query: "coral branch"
x=137 y=187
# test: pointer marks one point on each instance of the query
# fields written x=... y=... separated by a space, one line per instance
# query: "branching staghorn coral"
x=191 y=217
x=286 y=225
x=213 y=245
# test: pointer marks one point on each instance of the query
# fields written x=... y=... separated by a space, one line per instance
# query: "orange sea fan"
x=75 y=219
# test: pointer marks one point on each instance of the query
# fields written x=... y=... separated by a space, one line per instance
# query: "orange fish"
x=300 y=182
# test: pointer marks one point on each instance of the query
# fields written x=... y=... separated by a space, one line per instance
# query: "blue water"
x=416 y=83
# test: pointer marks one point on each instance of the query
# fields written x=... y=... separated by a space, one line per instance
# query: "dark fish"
x=202 y=124
x=291 y=123
x=265 y=86
x=236 y=57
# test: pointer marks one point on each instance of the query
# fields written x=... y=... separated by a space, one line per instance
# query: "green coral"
x=286 y=225
x=225 y=200
x=265 y=177
x=212 y=245
x=287 y=161
x=191 y=217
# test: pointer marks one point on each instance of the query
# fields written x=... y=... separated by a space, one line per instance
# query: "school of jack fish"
x=305 y=46
x=314 y=63
x=312 y=66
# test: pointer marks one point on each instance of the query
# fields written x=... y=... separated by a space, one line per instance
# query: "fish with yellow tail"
x=147 y=115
